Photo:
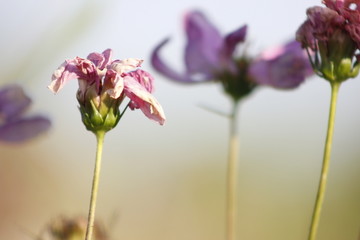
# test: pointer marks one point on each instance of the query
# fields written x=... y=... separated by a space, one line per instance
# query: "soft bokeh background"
x=167 y=183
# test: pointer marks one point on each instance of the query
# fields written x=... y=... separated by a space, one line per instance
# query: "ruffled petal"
x=144 y=78
x=124 y=66
x=24 y=129
x=141 y=98
x=67 y=71
x=13 y=102
x=101 y=60
x=114 y=84
x=203 y=45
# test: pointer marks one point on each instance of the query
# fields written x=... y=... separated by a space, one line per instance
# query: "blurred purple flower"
x=14 y=127
x=282 y=67
x=209 y=56
x=206 y=53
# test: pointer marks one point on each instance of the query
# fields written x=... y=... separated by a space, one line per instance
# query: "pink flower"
x=104 y=84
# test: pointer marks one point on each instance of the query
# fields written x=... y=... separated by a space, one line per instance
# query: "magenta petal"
x=13 y=102
x=203 y=45
x=101 y=60
x=23 y=129
x=164 y=69
x=141 y=98
x=107 y=58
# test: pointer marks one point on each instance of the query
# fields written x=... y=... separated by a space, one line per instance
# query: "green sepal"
x=102 y=118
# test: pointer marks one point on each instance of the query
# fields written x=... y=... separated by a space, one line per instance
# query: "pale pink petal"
x=67 y=71
x=123 y=66
x=101 y=60
x=141 y=98
x=114 y=83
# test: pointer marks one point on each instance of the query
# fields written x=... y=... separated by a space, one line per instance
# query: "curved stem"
x=231 y=202
x=326 y=162
x=95 y=185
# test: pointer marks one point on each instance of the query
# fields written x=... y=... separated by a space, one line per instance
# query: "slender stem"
x=95 y=185
x=231 y=204
x=326 y=162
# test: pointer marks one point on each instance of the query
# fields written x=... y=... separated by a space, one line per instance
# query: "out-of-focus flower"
x=206 y=53
x=332 y=34
x=282 y=67
x=14 y=126
x=209 y=56
x=104 y=84
x=67 y=228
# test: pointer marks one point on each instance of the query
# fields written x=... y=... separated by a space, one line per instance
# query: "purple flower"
x=206 y=53
x=209 y=56
x=331 y=35
x=103 y=85
x=14 y=126
x=282 y=67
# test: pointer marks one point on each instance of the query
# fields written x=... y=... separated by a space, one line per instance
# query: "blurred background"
x=168 y=182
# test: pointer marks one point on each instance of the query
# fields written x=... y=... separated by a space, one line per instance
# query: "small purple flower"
x=283 y=67
x=14 y=126
x=209 y=56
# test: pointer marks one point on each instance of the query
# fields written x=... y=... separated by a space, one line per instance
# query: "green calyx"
x=100 y=113
x=337 y=59
x=344 y=70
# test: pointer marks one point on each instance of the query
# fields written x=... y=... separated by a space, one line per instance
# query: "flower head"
x=331 y=35
x=212 y=57
x=14 y=126
x=104 y=84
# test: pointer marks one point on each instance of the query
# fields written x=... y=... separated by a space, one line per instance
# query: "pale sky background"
x=167 y=182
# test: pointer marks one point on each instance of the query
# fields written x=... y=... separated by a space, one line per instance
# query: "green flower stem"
x=326 y=162
x=95 y=185
x=231 y=202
